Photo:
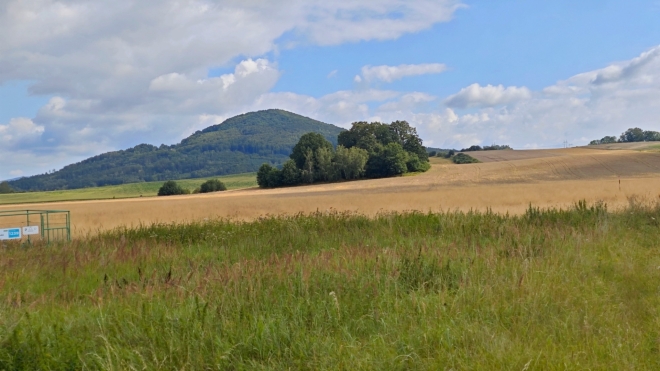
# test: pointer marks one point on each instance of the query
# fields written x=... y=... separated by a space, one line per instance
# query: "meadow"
x=548 y=289
x=131 y=190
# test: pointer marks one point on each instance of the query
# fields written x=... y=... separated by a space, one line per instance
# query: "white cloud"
x=18 y=132
x=407 y=102
x=125 y=71
x=392 y=73
x=476 y=95
x=586 y=106
x=335 y=22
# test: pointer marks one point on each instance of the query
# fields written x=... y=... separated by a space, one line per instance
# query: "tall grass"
x=551 y=289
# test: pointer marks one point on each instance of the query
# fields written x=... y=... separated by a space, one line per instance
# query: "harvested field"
x=505 y=181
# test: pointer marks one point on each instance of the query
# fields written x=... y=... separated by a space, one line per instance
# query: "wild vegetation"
x=371 y=150
x=494 y=147
x=449 y=153
x=211 y=185
x=550 y=289
x=462 y=158
x=237 y=145
x=171 y=188
x=628 y=136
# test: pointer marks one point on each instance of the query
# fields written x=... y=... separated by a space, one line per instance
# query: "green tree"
x=290 y=174
x=407 y=137
x=388 y=160
x=351 y=162
x=309 y=141
x=307 y=173
x=651 y=136
x=632 y=135
x=171 y=188
x=268 y=176
x=326 y=169
x=212 y=185
x=604 y=140
x=5 y=188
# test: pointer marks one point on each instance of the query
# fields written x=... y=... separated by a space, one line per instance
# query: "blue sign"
x=10 y=234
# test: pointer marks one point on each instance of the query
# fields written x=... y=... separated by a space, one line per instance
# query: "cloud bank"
x=392 y=73
x=476 y=95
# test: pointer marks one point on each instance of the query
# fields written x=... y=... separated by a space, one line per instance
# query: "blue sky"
x=78 y=78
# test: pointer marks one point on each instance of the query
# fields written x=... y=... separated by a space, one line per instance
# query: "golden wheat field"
x=505 y=181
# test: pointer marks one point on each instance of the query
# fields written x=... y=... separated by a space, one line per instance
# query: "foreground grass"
x=572 y=289
x=131 y=190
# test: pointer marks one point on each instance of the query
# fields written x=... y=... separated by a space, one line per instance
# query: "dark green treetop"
x=212 y=185
x=309 y=141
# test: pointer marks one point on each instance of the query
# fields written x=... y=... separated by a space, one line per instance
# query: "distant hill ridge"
x=237 y=145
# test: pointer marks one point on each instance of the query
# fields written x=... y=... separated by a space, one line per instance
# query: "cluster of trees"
x=450 y=153
x=5 y=188
x=462 y=158
x=494 y=147
x=630 y=135
x=171 y=188
x=371 y=150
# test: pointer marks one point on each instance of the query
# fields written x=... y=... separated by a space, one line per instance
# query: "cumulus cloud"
x=18 y=132
x=335 y=22
x=583 y=107
x=392 y=73
x=476 y=95
x=578 y=109
x=123 y=72
x=408 y=102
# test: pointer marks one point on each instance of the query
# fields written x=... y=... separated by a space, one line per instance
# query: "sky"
x=79 y=78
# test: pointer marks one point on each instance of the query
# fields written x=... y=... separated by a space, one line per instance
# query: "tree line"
x=628 y=136
x=171 y=188
x=367 y=150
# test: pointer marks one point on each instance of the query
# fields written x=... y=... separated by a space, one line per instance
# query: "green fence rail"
x=30 y=225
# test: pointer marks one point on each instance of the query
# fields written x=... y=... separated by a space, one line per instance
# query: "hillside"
x=237 y=145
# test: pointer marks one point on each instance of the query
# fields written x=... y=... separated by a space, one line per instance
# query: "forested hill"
x=238 y=145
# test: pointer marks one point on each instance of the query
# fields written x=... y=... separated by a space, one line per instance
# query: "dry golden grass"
x=505 y=181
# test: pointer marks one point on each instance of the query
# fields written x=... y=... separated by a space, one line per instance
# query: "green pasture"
x=549 y=290
x=146 y=189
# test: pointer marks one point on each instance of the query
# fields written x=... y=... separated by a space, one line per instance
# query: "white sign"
x=31 y=230
x=10 y=234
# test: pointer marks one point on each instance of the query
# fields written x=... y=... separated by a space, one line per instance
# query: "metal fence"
x=35 y=225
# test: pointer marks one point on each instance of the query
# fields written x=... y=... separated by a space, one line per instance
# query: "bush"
x=212 y=185
x=268 y=176
x=170 y=188
x=462 y=158
x=414 y=164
